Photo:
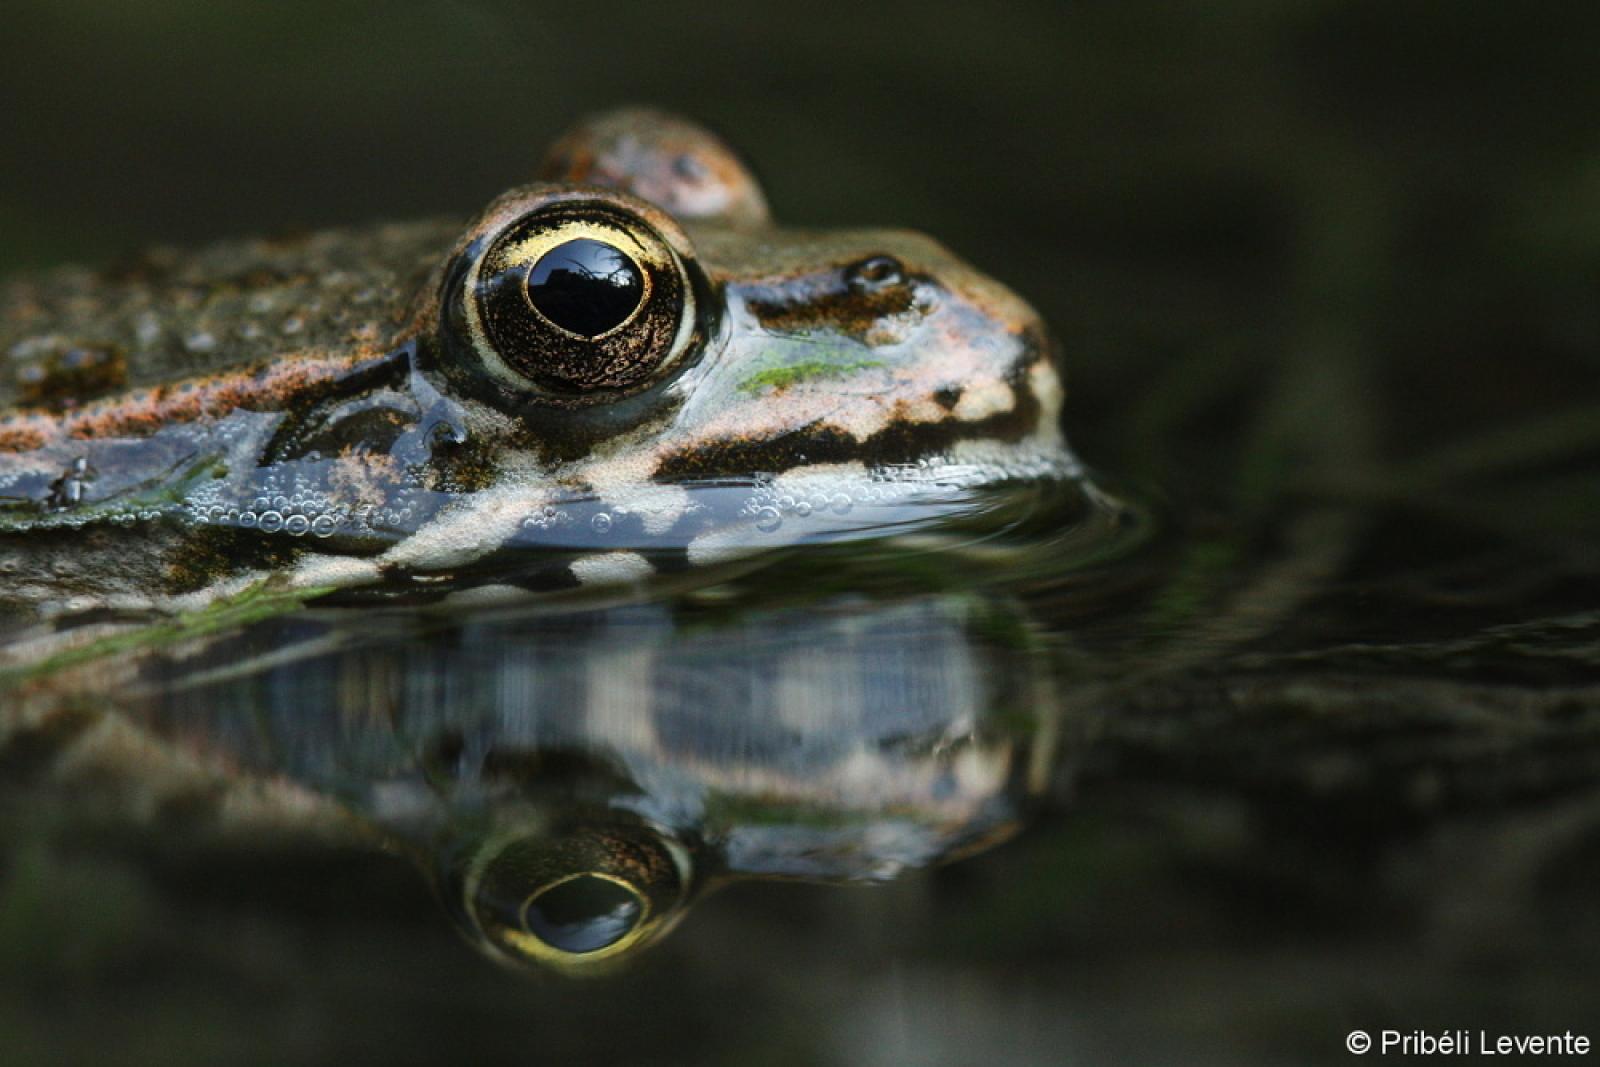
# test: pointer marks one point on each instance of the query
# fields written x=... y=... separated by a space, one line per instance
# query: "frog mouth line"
x=632 y=535
x=630 y=530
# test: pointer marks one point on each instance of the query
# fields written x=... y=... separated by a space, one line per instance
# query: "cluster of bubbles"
x=939 y=478
x=822 y=495
x=553 y=516
x=74 y=518
x=297 y=514
x=768 y=503
x=549 y=517
x=297 y=510
x=991 y=463
x=298 y=507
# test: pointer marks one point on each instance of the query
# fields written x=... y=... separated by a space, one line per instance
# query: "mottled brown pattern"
x=238 y=304
x=293 y=379
x=64 y=375
x=828 y=304
x=214 y=552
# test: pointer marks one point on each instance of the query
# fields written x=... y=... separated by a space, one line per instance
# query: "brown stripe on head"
x=141 y=412
x=900 y=441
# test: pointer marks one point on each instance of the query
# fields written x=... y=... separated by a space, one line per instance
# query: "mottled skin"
x=328 y=412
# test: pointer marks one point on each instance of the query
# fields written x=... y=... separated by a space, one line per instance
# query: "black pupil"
x=585 y=286
x=583 y=914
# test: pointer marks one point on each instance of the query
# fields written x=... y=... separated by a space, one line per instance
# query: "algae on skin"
x=780 y=375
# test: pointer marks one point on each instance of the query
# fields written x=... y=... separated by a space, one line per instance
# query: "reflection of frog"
x=625 y=363
x=574 y=781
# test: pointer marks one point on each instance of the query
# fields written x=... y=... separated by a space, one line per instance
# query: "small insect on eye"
x=874 y=273
x=580 y=299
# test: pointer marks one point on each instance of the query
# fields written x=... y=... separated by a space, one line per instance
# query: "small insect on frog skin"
x=620 y=369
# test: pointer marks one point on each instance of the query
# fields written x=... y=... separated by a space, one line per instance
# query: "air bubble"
x=148 y=330
x=601 y=523
x=768 y=519
x=296 y=525
x=270 y=521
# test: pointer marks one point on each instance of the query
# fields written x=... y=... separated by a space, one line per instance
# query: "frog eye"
x=575 y=898
x=576 y=298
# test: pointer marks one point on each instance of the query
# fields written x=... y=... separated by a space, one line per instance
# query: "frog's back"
x=75 y=334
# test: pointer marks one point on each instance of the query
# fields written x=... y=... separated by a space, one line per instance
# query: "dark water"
x=1328 y=754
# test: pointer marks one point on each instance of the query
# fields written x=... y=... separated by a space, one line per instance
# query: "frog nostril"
x=875 y=272
x=690 y=168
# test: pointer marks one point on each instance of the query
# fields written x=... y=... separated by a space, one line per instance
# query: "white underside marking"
x=984 y=399
x=624 y=483
x=343 y=572
x=1046 y=386
x=718 y=546
x=612 y=568
x=200 y=599
x=830 y=498
x=468 y=531
x=489 y=595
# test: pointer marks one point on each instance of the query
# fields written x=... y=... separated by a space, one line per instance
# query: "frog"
x=622 y=370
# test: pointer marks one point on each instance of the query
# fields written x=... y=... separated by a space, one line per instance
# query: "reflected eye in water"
x=575 y=897
x=584 y=913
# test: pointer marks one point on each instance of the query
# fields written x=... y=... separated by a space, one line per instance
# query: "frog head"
x=665 y=374
x=623 y=368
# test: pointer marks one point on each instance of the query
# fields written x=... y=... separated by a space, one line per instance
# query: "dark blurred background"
x=1177 y=185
